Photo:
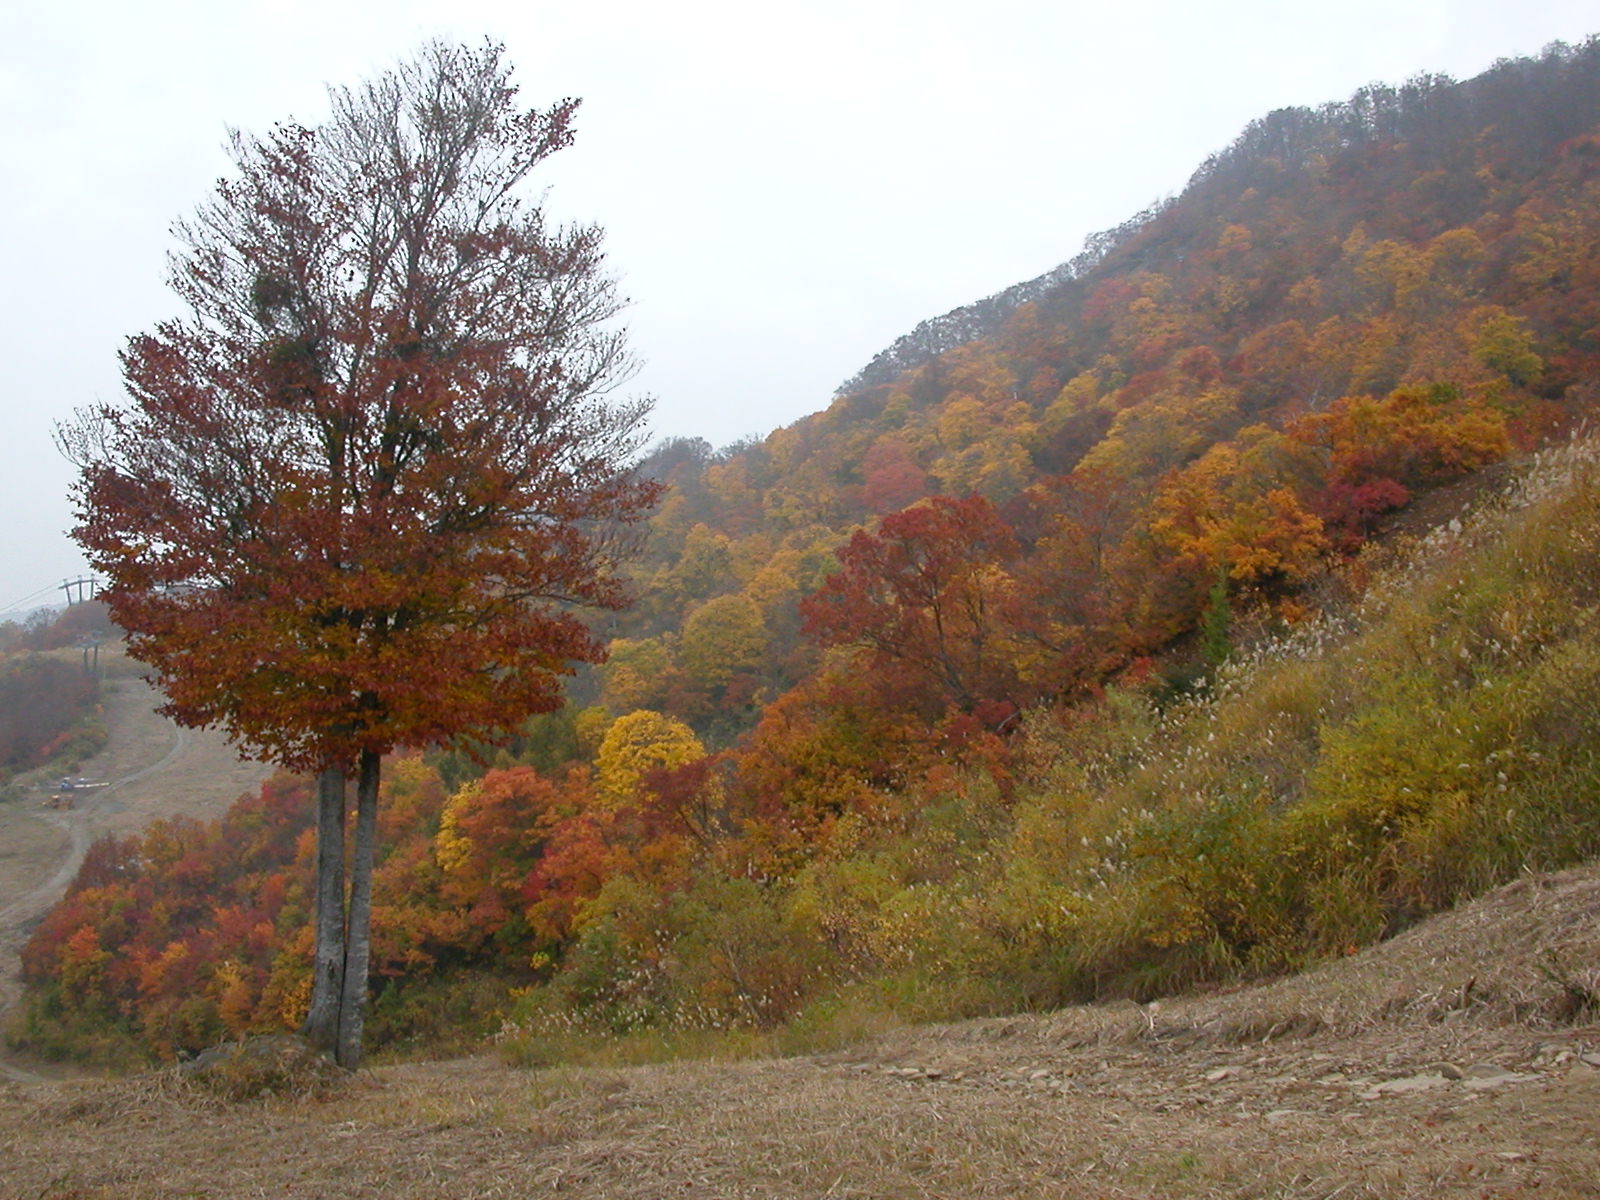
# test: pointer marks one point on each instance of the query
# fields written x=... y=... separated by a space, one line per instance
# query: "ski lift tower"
x=81 y=589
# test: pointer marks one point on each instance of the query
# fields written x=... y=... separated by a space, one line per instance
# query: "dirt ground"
x=153 y=769
x=30 y=849
x=1461 y=1059
x=159 y=769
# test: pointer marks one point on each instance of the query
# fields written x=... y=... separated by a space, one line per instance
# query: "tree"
x=491 y=837
x=636 y=744
x=924 y=593
x=724 y=637
x=637 y=673
x=353 y=496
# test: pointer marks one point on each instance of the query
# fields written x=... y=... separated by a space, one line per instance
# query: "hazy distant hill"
x=1530 y=105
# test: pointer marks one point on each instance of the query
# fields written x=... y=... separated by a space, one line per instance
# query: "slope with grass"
x=1430 y=735
x=1461 y=1059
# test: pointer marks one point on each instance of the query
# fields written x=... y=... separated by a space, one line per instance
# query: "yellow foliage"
x=634 y=671
x=590 y=725
x=637 y=743
x=1504 y=343
x=722 y=637
x=452 y=849
x=235 y=997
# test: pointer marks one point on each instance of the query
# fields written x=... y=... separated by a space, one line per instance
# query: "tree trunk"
x=321 y=1026
x=358 y=931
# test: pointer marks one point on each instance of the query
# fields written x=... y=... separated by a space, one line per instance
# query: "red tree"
x=925 y=594
x=356 y=491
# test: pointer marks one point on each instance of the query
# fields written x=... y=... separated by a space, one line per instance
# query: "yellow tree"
x=636 y=744
x=636 y=672
x=722 y=638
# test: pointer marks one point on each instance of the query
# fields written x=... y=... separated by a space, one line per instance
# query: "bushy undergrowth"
x=1336 y=784
x=53 y=1027
x=438 y=1015
x=260 y=1068
x=1326 y=788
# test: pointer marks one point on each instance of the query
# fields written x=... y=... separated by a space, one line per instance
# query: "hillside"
x=154 y=771
x=1347 y=307
x=1448 y=1062
x=1228 y=605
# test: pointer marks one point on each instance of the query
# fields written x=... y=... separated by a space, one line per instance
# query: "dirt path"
x=155 y=769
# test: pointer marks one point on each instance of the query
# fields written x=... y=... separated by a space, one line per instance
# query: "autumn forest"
x=1215 y=603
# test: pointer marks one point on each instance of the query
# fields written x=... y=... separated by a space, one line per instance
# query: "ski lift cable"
x=31 y=596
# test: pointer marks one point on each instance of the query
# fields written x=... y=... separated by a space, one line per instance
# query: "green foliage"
x=438 y=1016
x=546 y=742
x=50 y=1025
x=1216 y=621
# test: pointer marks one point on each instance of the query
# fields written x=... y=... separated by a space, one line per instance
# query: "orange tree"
x=354 y=495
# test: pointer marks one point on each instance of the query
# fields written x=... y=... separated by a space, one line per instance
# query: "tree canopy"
x=355 y=493
x=377 y=450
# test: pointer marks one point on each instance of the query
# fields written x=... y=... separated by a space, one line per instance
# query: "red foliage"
x=924 y=593
x=150 y=921
x=495 y=834
x=1377 y=450
x=1353 y=509
x=378 y=452
x=893 y=478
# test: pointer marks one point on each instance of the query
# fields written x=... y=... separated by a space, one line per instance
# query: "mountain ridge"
x=1286 y=135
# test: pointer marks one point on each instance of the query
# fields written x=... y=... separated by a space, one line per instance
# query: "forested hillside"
x=1346 y=306
x=1055 y=659
x=48 y=697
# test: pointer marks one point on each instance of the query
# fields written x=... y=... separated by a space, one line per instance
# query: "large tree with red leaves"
x=925 y=596
x=356 y=492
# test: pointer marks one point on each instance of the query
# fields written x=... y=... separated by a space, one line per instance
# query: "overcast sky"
x=786 y=188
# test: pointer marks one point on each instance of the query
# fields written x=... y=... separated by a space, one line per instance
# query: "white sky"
x=786 y=188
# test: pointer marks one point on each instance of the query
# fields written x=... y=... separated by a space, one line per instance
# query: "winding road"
x=156 y=769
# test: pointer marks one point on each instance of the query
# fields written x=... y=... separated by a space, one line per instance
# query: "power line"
x=86 y=587
x=30 y=597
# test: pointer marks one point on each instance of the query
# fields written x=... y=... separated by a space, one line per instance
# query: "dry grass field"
x=30 y=848
x=1461 y=1059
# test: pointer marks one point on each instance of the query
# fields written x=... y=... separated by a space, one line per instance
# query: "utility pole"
x=91 y=654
